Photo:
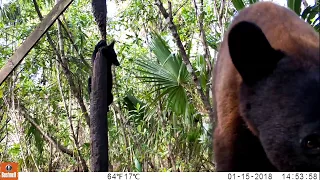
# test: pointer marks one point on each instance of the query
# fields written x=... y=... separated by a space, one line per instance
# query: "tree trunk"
x=98 y=115
x=99 y=10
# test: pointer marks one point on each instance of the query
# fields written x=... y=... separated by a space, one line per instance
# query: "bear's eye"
x=311 y=144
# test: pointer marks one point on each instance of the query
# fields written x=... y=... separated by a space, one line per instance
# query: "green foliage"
x=14 y=150
x=137 y=165
x=213 y=41
x=157 y=121
x=34 y=137
x=295 y=5
x=169 y=75
x=239 y=4
x=309 y=14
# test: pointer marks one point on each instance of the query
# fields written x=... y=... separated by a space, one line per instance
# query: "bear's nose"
x=311 y=144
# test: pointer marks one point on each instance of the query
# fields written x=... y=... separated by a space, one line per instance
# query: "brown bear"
x=267 y=93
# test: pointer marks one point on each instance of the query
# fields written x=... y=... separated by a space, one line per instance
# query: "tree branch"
x=76 y=142
x=168 y=17
x=49 y=138
x=207 y=55
x=70 y=37
x=66 y=70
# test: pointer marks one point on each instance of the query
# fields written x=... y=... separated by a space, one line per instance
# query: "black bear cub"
x=267 y=93
x=110 y=55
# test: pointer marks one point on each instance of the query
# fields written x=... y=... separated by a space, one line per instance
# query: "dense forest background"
x=160 y=118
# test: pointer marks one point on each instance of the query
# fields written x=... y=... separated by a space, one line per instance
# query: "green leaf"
x=310 y=16
x=306 y=12
x=213 y=41
x=15 y=150
x=177 y=99
x=131 y=101
x=169 y=75
x=139 y=128
x=238 y=4
x=253 y=1
x=137 y=165
x=294 y=5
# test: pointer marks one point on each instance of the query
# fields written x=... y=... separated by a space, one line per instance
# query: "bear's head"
x=107 y=51
x=279 y=97
x=110 y=54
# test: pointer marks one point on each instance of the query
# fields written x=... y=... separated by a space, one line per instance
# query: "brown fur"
x=240 y=143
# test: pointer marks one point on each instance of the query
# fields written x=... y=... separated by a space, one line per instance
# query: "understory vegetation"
x=161 y=118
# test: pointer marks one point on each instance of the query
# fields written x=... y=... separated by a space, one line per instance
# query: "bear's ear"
x=251 y=52
x=112 y=44
x=114 y=59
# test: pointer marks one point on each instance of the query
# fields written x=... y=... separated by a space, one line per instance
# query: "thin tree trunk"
x=185 y=58
x=67 y=72
x=200 y=15
x=64 y=60
x=123 y=131
x=50 y=166
x=207 y=55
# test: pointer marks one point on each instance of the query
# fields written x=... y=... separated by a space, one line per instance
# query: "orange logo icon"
x=8 y=171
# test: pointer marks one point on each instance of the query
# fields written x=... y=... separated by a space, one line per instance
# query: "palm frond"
x=168 y=74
